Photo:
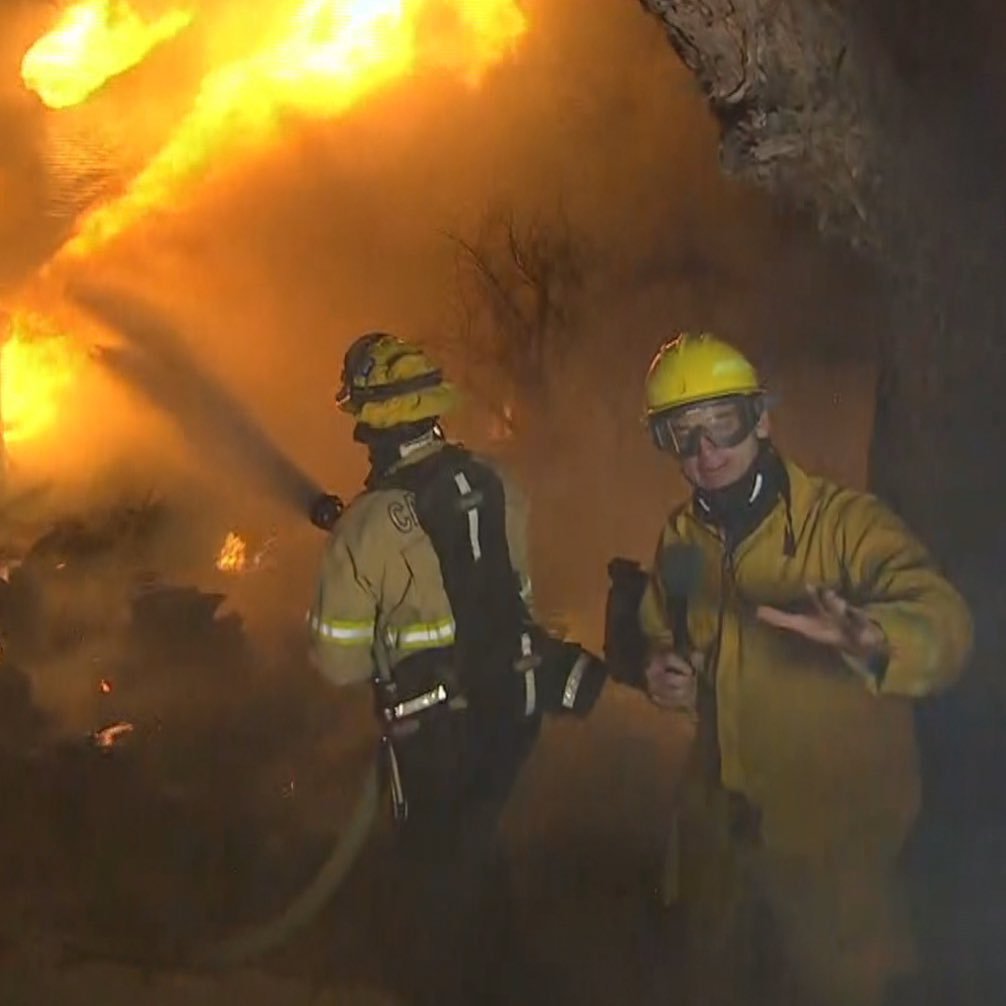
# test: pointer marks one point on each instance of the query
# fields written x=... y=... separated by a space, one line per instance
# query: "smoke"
x=276 y=259
x=264 y=270
x=219 y=429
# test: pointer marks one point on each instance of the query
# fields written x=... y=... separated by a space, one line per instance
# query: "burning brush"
x=235 y=556
x=311 y=59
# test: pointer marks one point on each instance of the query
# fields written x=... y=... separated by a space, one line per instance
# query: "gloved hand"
x=671 y=681
x=570 y=678
x=325 y=511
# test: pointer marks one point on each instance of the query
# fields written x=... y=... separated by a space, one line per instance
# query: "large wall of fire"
x=295 y=58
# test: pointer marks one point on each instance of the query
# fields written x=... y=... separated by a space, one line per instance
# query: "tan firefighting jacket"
x=825 y=749
x=380 y=595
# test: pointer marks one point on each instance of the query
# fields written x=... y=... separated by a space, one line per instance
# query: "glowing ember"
x=502 y=425
x=7 y=568
x=265 y=556
x=108 y=737
x=105 y=686
x=330 y=55
x=37 y=366
x=93 y=41
x=233 y=557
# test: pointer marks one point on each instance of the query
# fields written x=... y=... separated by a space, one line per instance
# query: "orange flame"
x=333 y=54
x=233 y=557
x=93 y=41
x=107 y=737
x=326 y=56
x=37 y=366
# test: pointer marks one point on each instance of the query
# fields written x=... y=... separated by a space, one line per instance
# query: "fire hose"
x=154 y=361
x=257 y=940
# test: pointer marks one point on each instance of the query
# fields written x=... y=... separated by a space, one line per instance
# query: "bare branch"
x=521 y=283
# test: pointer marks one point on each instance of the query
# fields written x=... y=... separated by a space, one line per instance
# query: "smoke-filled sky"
x=279 y=255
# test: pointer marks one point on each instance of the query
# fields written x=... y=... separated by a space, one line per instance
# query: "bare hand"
x=834 y=622
x=671 y=681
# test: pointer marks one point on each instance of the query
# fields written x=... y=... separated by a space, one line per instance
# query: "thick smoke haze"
x=265 y=265
x=280 y=254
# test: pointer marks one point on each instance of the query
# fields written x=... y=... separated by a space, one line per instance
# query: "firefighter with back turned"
x=425 y=597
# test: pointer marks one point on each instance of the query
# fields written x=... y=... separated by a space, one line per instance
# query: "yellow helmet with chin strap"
x=387 y=381
x=692 y=368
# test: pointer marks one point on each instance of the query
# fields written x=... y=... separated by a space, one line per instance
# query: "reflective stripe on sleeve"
x=420 y=636
x=530 y=693
x=342 y=633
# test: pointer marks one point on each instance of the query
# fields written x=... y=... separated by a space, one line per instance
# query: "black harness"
x=447 y=752
x=502 y=671
x=460 y=504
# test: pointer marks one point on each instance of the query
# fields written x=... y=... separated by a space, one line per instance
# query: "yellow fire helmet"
x=692 y=368
x=387 y=381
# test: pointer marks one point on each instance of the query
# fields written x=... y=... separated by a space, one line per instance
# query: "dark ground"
x=118 y=865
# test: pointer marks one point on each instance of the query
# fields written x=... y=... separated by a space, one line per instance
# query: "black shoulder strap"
x=461 y=504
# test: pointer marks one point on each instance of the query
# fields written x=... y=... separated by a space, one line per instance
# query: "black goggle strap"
x=662 y=427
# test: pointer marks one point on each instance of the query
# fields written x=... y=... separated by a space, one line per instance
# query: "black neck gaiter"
x=385 y=446
x=739 y=508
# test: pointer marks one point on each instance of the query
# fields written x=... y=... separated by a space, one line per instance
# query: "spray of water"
x=154 y=361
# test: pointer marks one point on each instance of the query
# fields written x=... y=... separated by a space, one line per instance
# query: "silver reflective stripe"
x=343 y=633
x=530 y=693
x=425 y=701
x=465 y=488
x=418 y=636
x=574 y=679
x=418 y=444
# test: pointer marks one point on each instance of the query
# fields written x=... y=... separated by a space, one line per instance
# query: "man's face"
x=718 y=442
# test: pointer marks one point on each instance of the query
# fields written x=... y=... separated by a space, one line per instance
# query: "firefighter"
x=425 y=595
x=807 y=621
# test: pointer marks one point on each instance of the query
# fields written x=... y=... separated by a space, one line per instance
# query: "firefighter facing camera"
x=425 y=592
x=794 y=622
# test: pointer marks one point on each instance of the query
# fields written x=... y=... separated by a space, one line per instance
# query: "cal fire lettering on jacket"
x=403 y=514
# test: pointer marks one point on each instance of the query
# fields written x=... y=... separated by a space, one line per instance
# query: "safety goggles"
x=724 y=422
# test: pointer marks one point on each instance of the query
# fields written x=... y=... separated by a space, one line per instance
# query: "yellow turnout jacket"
x=825 y=749
x=380 y=595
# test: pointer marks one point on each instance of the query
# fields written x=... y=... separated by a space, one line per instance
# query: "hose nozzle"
x=325 y=511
